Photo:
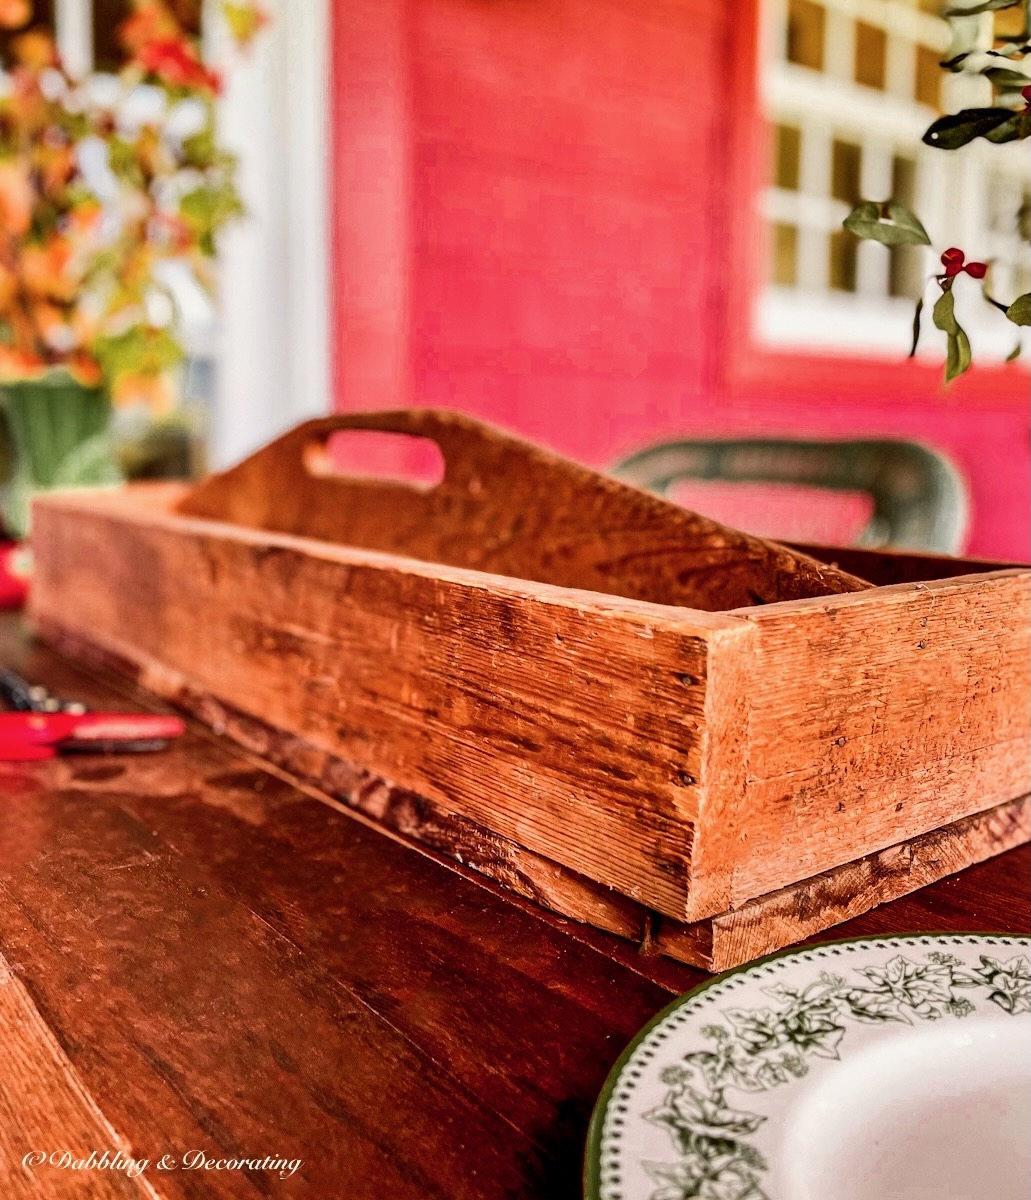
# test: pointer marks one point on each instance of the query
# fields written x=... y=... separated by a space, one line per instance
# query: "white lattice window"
x=849 y=86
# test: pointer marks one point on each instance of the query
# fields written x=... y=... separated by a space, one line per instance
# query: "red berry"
x=1026 y=93
x=952 y=261
x=976 y=270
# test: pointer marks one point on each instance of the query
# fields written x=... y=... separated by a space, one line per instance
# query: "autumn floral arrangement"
x=109 y=185
x=1000 y=60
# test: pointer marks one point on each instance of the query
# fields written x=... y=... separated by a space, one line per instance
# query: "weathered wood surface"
x=870 y=722
x=765 y=924
x=511 y=508
x=690 y=761
x=566 y=721
x=45 y=1109
x=229 y=964
x=885 y=567
x=816 y=905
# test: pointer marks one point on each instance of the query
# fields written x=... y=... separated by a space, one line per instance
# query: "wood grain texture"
x=44 y=1108
x=237 y=967
x=870 y=722
x=230 y=964
x=812 y=906
x=717 y=943
x=885 y=567
x=687 y=761
x=511 y=508
x=569 y=722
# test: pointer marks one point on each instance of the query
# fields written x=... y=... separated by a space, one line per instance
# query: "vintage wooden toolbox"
x=614 y=707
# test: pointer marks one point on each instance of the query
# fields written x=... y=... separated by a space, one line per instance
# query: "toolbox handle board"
x=511 y=508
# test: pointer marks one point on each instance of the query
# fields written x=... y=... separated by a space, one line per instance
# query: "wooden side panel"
x=567 y=722
x=715 y=943
x=871 y=722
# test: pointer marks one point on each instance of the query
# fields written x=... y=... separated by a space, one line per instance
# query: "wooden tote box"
x=617 y=708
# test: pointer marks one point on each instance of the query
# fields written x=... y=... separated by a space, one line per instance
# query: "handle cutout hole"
x=373 y=454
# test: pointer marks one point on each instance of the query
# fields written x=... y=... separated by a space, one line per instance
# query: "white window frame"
x=951 y=187
x=273 y=362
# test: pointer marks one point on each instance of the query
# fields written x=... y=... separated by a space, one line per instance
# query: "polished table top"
x=203 y=962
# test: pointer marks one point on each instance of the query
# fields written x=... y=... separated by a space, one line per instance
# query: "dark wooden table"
x=198 y=956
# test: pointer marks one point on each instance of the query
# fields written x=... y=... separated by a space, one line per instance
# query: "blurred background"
x=616 y=224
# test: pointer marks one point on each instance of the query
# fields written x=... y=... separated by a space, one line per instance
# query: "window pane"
x=903 y=180
x=843 y=246
x=904 y=273
x=1009 y=23
x=805 y=33
x=1003 y=205
x=42 y=15
x=785 y=255
x=928 y=77
x=871 y=55
x=788 y=156
x=845 y=166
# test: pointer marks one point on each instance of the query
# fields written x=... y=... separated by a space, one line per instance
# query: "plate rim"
x=592 y=1146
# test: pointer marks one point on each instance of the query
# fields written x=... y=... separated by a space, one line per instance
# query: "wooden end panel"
x=570 y=723
x=873 y=719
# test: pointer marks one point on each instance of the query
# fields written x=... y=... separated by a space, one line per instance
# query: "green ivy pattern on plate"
x=757 y=1049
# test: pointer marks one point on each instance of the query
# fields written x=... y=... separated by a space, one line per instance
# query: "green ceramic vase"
x=54 y=433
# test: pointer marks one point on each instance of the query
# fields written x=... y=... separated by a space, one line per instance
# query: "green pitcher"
x=54 y=433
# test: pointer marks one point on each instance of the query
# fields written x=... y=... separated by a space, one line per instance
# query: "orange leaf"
x=153 y=391
x=16 y=198
x=47 y=270
x=17 y=364
x=8 y=288
x=14 y=13
x=35 y=50
x=84 y=368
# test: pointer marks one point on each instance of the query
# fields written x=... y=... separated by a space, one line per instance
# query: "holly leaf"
x=957 y=356
x=956 y=129
x=944 y=314
x=1016 y=128
x=1014 y=353
x=1006 y=77
x=1019 y=312
x=889 y=223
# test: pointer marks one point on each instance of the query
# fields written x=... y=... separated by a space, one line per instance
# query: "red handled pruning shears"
x=43 y=726
x=27 y=736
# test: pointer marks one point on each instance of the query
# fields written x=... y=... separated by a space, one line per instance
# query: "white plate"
x=881 y=1069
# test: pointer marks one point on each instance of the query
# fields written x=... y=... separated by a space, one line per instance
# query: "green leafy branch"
x=892 y=224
